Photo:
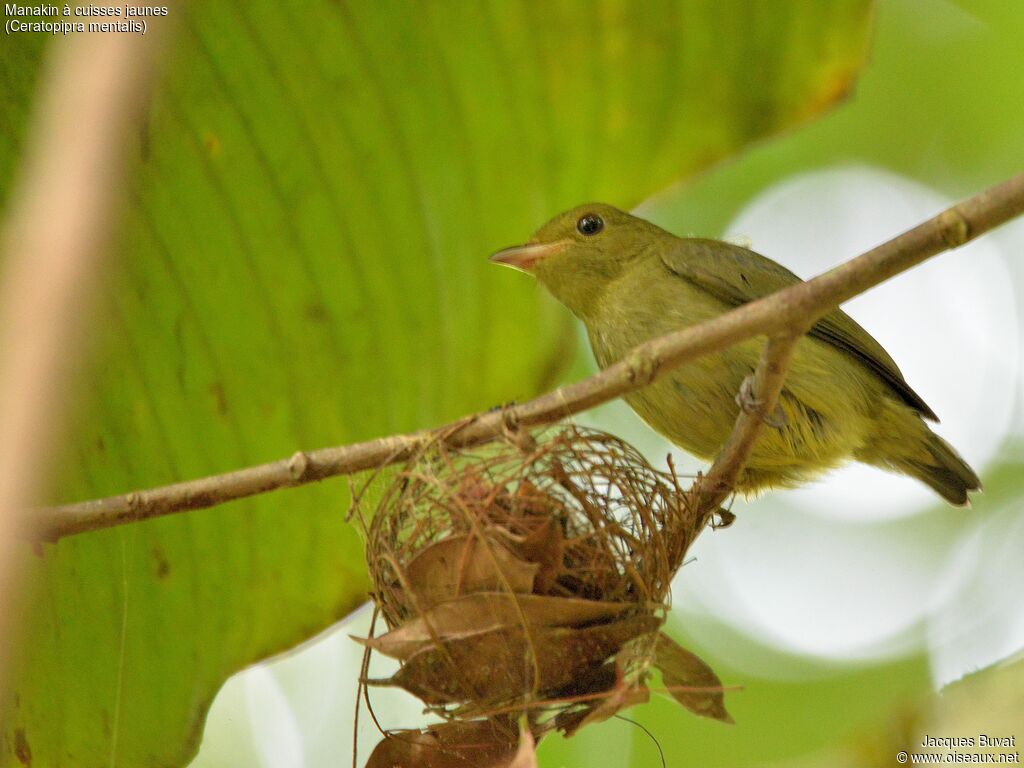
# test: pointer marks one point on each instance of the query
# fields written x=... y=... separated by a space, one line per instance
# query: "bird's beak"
x=525 y=257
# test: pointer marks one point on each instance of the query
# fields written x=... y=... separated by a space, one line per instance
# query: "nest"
x=527 y=584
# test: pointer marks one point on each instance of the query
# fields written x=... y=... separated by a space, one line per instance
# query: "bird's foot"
x=778 y=418
x=746 y=399
x=749 y=402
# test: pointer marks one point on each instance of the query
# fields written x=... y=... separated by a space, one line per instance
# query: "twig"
x=52 y=245
x=712 y=489
x=794 y=307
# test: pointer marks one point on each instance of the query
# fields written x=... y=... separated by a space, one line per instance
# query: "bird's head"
x=579 y=252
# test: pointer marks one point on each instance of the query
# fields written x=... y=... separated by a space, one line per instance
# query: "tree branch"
x=776 y=315
x=712 y=489
x=55 y=237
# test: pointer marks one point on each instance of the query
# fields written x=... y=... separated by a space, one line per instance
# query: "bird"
x=844 y=397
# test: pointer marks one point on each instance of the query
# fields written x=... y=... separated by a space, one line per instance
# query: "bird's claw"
x=749 y=402
x=777 y=419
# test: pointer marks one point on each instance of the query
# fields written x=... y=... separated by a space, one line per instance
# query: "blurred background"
x=302 y=262
x=839 y=605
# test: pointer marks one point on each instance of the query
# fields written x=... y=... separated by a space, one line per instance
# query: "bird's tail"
x=948 y=474
x=930 y=459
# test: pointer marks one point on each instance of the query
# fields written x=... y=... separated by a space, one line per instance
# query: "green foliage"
x=312 y=196
x=775 y=720
x=936 y=103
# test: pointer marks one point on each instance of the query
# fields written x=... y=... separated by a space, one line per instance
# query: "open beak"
x=525 y=257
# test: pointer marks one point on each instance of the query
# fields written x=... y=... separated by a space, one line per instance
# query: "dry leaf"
x=476 y=744
x=618 y=699
x=682 y=670
x=545 y=546
x=499 y=664
x=462 y=565
x=473 y=490
x=532 y=501
x=619 y=692
x=484 y=611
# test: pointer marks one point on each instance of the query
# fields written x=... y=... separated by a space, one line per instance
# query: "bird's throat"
x=585 y=289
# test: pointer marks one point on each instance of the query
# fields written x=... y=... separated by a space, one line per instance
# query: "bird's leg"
x=749 y=402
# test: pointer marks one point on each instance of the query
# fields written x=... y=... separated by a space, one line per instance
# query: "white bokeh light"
x=297 y=710
x=951 y=324
x=828 y=589
x=275 y=731
x=981 y=619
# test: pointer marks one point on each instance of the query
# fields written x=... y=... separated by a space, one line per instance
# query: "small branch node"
x=514 y=432
x=956 y=230
x=722 y=518
x=642 y=368
x=509 y=422
x=298 y=466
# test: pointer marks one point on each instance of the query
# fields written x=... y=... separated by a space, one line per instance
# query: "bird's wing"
x=737 y=275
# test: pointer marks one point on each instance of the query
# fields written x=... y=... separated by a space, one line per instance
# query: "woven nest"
x=529 y=580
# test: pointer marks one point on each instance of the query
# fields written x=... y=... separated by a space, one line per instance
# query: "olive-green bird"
x=844 y=397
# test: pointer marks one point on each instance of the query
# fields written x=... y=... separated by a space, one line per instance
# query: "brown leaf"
x=683 y=670
x=620 y=694
x=476 y=744
x=545 y=546
x=531 y=501
x=499 y=664
x=473 y=490
x=618 y=699
x=462 y=565
x=485 y=611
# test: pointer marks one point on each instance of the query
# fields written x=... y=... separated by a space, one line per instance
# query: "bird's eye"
x=590 y=224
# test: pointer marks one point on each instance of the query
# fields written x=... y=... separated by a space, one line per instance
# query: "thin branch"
x=795 y=307
x=712 y=489
x=55 y=237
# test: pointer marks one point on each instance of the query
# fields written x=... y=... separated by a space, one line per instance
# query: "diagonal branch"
x=796 y=307
x=712 y=489
x=55 y=237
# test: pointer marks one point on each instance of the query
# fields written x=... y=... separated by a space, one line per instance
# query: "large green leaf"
x=313 y=194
